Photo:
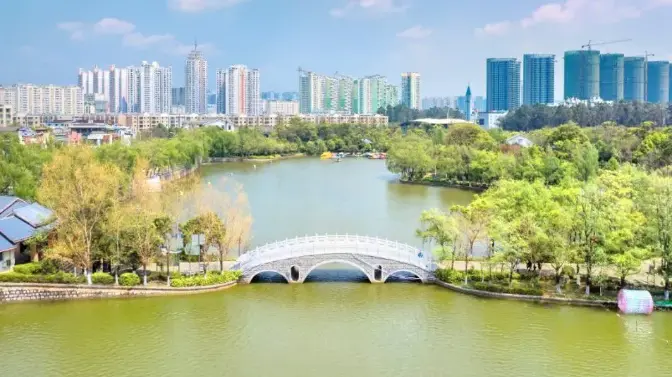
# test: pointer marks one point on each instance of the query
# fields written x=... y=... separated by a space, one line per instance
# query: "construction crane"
x=583 y=91
x=590 y=44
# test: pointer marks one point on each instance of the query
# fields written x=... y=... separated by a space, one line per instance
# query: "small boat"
x=326 y=155
x=338 y=159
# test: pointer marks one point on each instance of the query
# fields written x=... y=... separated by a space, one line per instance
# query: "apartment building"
x=5 y=115
x=44 y=99
x=281 y=107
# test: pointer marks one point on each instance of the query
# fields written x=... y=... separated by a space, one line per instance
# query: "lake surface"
x=305 y=196
x=334 y=325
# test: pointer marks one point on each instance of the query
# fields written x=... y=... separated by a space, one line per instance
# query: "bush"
x=57 y=278
x=515 y=288
x=31 y=268
x=212 y=278
x=449 y=276
x=129 y=279
x=102 y=278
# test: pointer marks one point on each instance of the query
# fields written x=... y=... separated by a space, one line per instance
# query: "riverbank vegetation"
x=585 y=204
x=467 y=155
x=21 y=165
x=110 y=219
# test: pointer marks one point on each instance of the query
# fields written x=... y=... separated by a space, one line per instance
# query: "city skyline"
x=402 y=35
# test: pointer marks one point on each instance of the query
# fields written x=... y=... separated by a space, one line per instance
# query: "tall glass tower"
x=633 y=79
x=658 y=82
x=582 y=74
x=538 y=79
x=612 y=76
x=503 y=84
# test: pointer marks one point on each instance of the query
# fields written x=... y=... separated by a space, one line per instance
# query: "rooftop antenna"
x=195 y=44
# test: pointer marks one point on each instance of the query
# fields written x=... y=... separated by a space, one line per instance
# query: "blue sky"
x=447 y=41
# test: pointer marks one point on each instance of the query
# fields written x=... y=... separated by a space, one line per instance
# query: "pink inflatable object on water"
x=635 y=302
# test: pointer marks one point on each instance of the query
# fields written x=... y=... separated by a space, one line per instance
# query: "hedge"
x=511 y=289
x=102 y=278
x=129 y=279
x=57 y=278
x=212 y=278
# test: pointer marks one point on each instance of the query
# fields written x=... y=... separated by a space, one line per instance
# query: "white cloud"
x=415 y=32
x=113 y=26
x=371 y=6
x=194 y=6
x=129 y=37
x=497 y=28
x=143 y=41
x=76 y=29
x=577 y=11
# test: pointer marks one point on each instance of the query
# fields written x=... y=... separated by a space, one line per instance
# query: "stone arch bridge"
x=295 y=258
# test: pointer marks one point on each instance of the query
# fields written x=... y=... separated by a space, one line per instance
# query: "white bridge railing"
x=333 y=244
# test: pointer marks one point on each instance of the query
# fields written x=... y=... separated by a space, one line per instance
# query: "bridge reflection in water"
x=296 y=259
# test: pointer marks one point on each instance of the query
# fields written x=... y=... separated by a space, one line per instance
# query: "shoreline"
x=527 y=298
x=27 y=292
x=435 y=183
x=217 y=160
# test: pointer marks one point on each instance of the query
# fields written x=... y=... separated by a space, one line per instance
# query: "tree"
x=628 y=263
x=142 y=236
x=472 y=222
x=440 y=228
x=592 y=217
x=656 y=203
x=81 y=191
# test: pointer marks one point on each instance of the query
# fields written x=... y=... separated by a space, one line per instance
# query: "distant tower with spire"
x=467 y=104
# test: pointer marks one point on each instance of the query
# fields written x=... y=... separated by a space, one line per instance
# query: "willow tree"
x=440 y=228
x=81 y=191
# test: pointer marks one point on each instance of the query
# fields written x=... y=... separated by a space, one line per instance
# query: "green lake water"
x=335 y=325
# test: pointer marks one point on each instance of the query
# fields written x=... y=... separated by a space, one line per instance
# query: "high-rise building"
x=612 y=75
x=45 y=99
x=238 y=91
x=658 y=82
x=480 y=104
x=196 y=82
x=410 y=90
x=538 y=79
x=118 y=102
x=155 y=88
x=220 y=89
x=503 y=84
x=179 y=95
x=582 y=74
x=634 y=86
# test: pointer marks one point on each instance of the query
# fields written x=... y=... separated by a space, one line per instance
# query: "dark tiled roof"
x=19 y=221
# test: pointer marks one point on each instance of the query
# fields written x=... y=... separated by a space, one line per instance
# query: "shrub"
x=57 y=278
x=31 y=268
x=568 y=271
x=102 y=278
x=129 y=279
x=449 y=276
x=211 y=278
x=516 y=289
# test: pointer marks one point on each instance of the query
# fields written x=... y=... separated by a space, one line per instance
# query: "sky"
x=446 y=41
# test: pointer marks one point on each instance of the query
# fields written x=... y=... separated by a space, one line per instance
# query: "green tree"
x=439 y=227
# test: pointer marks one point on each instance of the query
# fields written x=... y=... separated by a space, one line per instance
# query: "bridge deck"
x=336 y=244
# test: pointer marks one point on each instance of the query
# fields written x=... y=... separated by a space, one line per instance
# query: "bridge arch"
x=268 y=271
x=371 y=255
x=405 y=271
x=341 y=261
